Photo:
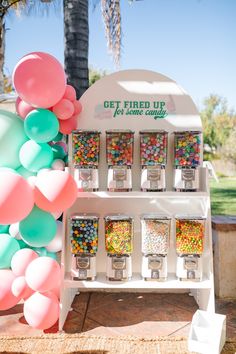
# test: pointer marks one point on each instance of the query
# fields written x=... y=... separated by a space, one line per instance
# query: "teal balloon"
x=22 y=244
x=59 y=137
x=34 y=156
x=52 y=255
x=25 y=173
x=58 y=152
x=66 y=159
x=8 y=247
x=41 y=125
x=41 y=251
x=38 y=228
x=12 y=137
x=4 y=229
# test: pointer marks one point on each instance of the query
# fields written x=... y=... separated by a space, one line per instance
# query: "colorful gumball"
x=16 y=197
x=20 y=288
x=43 y=274
x=39 y=228
x=41 y=311
x=70 y=93
x=56 y=244
x=12 y=137
x=21 y=260
x=41 y=125
x=66 y=126
x=77 y=107
x=34 y=156
x=55 y=190
x=8 y=247
x=64 y=109
x=23 y=108
x=14 y=231
x=7 y=299
x=39 y=79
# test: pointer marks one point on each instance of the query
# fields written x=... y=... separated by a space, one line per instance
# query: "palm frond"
x=112 y=21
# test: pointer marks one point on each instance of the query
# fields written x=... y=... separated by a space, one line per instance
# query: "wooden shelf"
x=139 y=194
x=137 y=283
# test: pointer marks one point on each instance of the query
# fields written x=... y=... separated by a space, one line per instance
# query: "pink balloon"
x=64 y=109
x=77 y=107
x=66 y=126
x=39 y=79
x=55 y=190
x=70 y=93
x=7 y=299
x=23 y=108
x=20 y=288
x=41 y=310
x=16 y=197
x=21 y=260
x=18 y=100
x=43 y=274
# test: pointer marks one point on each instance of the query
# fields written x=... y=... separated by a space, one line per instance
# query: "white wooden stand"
x=137 y=85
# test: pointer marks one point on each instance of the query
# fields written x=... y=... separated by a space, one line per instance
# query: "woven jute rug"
x=90 y=344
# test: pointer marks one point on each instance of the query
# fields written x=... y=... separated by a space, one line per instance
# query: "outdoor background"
x=190 y=41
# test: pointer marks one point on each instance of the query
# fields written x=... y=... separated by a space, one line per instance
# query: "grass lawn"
x=223 y=196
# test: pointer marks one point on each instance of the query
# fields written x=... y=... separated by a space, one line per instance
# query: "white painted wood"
x=139 y=85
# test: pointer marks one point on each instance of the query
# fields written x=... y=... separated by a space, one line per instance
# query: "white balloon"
x=43 y=170
x=56 y=214
x=14 y=231
x=56 y=244
x=32 y=180
x=58 y=165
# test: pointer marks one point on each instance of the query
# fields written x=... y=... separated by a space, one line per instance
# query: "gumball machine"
x=153 y=156
x=119 y=148
x=187 y=156
x=85 y=150
x=155 y=246
x=190 y=233
x=84 y=246
x=119 y=245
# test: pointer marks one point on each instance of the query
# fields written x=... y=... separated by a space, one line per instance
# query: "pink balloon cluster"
x=36 y=280
x=40 y=82
x=44 y=96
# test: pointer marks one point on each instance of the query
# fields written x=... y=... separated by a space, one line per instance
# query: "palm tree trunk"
x=76 y=32
x=2 y=44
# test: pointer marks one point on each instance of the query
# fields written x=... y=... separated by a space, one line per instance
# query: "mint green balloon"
x=41 y=125
x=25 y=173
x=4 y=229
x=41 y=251
x=12 y=137
x=52 y=255
x=38 y=228
x=34 y=156
x=8 y=247
x=22 y=244
x=58 y=152
x=59 y=137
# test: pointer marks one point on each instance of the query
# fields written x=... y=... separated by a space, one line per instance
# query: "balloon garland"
x=35 y=188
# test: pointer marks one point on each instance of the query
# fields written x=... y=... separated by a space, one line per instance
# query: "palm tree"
x=76 y=31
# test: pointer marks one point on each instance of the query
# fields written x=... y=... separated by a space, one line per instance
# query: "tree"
x=218 y=121
x=95 y=75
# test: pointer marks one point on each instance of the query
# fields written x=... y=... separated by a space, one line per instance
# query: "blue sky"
x=191 y=41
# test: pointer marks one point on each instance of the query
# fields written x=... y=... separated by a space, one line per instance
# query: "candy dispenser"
x=187 y=147
x=84 y=246
x=153 y=156
x=190 y=233
x=119 y=146
x=85 y=150
x=155 y=245
x=119 y=244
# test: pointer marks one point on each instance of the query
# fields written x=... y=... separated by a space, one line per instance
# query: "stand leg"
x=205 y=299
x=67 y=297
